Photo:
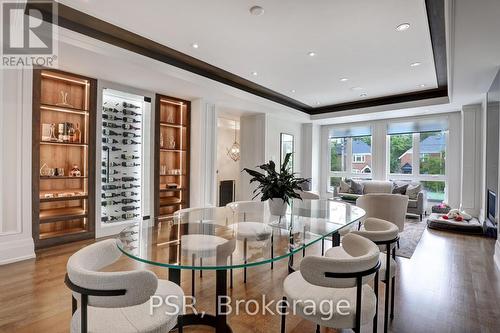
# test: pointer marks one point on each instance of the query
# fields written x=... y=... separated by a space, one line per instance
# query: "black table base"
x=217 y=321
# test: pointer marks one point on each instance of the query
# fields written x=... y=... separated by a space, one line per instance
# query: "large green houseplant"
x=277 y=187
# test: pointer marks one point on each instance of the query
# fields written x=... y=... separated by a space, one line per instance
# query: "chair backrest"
x=84 y=267
x=247 y=210
x=363 y=255
x=389 y=207
x=307 y=195
x=377 y=186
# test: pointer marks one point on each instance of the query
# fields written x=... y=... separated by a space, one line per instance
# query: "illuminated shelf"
x=61 y=214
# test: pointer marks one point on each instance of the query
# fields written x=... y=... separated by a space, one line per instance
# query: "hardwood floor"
x=449 y=285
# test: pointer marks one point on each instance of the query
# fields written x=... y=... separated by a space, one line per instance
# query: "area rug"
x=409 y=238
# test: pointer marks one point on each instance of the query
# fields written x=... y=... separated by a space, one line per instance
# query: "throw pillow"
x=399 y=189
x=356 y=187
x=344 y=187
x=413 y=190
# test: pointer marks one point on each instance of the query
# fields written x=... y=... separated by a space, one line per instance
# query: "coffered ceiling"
x=311 y=55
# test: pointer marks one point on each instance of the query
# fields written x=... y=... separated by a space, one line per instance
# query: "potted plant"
x=277 y=187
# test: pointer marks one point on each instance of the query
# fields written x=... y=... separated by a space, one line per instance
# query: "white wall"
x=276 y=126
x=227 y=169
x=310 y=154
x=16 y=242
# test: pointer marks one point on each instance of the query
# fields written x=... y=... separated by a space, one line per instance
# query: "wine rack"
x=121 y=166
x=63 y=157
x=172 y=148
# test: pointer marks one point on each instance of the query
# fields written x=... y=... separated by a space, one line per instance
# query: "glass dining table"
x=215 y=238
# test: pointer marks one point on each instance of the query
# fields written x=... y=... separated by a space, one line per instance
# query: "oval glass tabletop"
x=221 y=238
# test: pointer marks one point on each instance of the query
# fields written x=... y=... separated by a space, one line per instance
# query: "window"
x=350 y=157
x=338 y=154
x=432 y=153
x=401 y=154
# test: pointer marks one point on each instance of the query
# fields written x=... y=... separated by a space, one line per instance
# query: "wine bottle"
x=112 y=148
x=109 y=132
x=128 y=201
x=130 y=120
x=129 y=186
x=130 y=135
x=111 y=117
x=109 y=202
x=130 y=113
x=110 y=125
x=109 y=140
x=130 y=127
x=130 y=142
x=129 y=208
x=129 y=105
x=128 y=194
x=110 y=187
x=130 y=164
x=128 y=216
x=129 y=157
x=109 y=195
x=112 y=110
x=109 y=218
x=129 y=179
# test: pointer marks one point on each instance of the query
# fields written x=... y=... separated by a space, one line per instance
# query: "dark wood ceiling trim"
x=93 y=27
x=437 y=28
x=388 y=100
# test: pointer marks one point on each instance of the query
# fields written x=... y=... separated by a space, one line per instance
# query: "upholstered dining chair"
x=118 y=301
x=340 y=278
x=385 y=235
x=247 y=222
x=389 y=207
x=199 y=241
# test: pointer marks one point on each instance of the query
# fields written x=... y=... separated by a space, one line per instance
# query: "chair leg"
x=193 y=276
x=387 y=285
x=74 y=304
x=392 y=296
x=283 y=315
x=180 y=324
x=359 y=286
x=83 y=313
x=245 y=243
x=375 y=287
x=318 y=329
x=231 y=272
x=272 y=251
x=201 y=264
x=322 y=246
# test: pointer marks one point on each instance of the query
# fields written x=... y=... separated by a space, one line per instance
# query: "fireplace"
x=491 y=206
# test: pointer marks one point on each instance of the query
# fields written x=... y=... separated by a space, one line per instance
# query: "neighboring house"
x=431 y=146
x=361 y=157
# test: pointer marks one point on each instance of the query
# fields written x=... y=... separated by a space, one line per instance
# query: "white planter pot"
x=277 y=207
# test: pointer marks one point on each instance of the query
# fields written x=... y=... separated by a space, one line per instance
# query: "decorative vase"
x=277 y=207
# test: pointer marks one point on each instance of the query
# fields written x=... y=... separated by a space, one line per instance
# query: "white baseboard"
x=497 y=253
x=16 y=250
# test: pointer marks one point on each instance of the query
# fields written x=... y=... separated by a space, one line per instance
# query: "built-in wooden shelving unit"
x=172 y=119
x=63 y=137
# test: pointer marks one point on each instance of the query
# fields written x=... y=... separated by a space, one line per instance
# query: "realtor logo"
x=28 y=34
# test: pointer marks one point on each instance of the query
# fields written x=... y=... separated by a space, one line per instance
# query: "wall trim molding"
x=16 y=250
x=496 y=256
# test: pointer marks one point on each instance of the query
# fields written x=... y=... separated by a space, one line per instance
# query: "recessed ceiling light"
x=292 y=91
x=311 y=53
x=356 y=88
x=344 y=79
x=403 y=27
x=195 y=45
x=363 y=95
x=415 y=64
x=256 y=10
x=317 y=103
x=254 y=73
x=421 y=85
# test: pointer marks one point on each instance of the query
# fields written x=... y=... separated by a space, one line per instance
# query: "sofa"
x=416 y=205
